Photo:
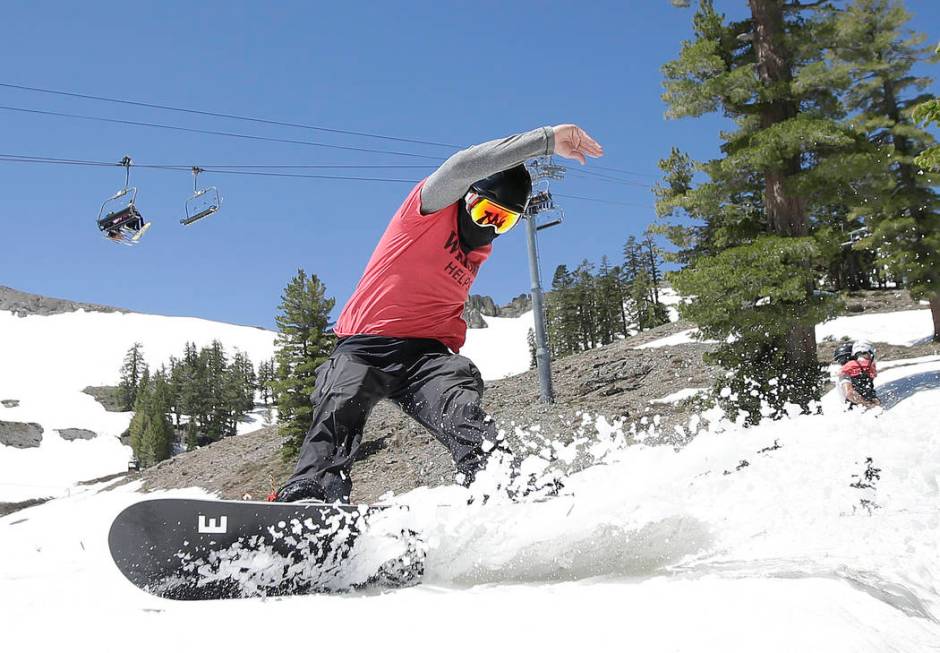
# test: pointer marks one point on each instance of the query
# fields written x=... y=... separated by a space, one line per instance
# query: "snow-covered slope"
x=502 y=349
x=904 y=328
x=826 y=539
x=48 y=360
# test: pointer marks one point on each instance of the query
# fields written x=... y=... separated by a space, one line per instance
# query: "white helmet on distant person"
x=863 y=347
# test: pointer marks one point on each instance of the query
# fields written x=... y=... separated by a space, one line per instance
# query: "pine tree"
x=607 y=297
x=263 y=382
x=175 y=382
x=151 y=433
x=131 y=372
x=562 y=314
x=769 y=74
x=302 y=345
x=193 y=392
x=219 y=393
x=639 y=287
x=587 y=310
x=878 y=53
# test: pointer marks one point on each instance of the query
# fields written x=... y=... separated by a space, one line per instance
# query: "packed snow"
x=681 y=338
x=679 y=395
x=904 y=328
x=501 y=349
x=816 y=532
x=671 y=299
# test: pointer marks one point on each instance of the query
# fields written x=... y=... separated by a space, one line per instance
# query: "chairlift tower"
x=542 y=170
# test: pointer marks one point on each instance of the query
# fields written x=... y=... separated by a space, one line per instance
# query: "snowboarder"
x=857 y=377
x=400 y=333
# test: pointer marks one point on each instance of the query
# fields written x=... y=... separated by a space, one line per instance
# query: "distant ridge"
x=22 y=304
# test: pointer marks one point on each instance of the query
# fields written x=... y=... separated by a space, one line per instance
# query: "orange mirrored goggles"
x=488 y=213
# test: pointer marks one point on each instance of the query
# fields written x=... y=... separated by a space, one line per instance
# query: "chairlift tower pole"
x=541 y=169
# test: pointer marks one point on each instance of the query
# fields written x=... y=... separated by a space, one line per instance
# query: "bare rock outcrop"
x=22 y=304
x=21 y=435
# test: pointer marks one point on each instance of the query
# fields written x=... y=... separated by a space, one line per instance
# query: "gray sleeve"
x=450 y=182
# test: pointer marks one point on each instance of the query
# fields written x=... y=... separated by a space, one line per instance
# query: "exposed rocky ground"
x=20 y=435
x=108 y=396
x=22 y=304
x=479 y=307
x=398 y=455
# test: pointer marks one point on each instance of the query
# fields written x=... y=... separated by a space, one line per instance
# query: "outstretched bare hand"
x=572 y=142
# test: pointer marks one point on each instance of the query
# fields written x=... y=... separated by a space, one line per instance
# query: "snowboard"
x=196 y=549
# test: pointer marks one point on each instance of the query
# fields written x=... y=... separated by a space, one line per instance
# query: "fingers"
x=588 y=145
x=572 y=142
x=575 y=143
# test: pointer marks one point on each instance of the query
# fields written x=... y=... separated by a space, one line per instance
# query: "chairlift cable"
x=594 y=199
x=191 y=130
x=267 y=121
x=608 y=178
x=14 y=158
x=214 y=114
x=187 y=167
x=271 y=139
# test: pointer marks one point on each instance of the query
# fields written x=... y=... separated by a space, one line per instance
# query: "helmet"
x=843 y=353
x=863 y=347
x=509 y=188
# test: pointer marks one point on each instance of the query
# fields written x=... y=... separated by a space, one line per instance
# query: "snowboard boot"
x=301 y=489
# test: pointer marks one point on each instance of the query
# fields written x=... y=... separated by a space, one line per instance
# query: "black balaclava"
x=510 y=188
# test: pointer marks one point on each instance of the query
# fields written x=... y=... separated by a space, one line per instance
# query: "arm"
x=852 y=395
x=450 y=182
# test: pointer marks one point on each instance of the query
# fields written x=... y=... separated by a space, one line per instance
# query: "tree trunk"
x=935 y=312
x=786 y=212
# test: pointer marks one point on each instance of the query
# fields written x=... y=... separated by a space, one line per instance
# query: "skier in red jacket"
x=400 y=333
x=857 y=377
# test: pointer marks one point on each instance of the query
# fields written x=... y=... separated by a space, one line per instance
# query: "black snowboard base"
x=192 y=549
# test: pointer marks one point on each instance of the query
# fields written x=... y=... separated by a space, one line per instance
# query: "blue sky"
x=449 y=72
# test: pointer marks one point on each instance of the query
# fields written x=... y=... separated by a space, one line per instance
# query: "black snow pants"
x=440 y=390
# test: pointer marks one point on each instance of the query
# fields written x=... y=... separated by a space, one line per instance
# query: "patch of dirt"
x=879 y=301
x=398 y=455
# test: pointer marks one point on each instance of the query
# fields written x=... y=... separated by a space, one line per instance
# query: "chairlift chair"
x=118 y=219
x=203 y=203
x=541 y=204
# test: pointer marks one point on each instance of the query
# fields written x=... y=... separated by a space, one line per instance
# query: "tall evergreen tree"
x=194 y=400
x=302 y=345
x=562 y=314
x=175 y=380
x=607 y=298
x=131 y=373
x=151 y=432
x=266 y=378
x=587 y=310
x=878 y=53
x=768 y=74
x=216 y=366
